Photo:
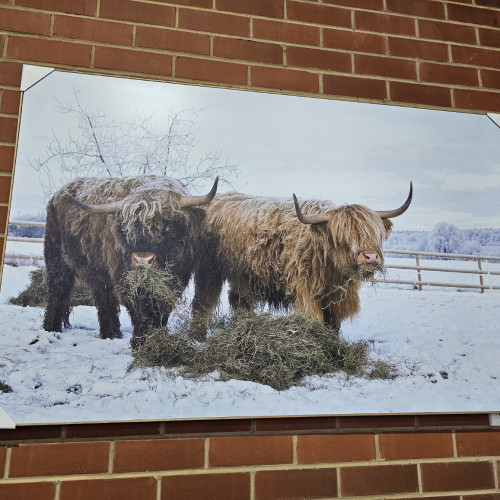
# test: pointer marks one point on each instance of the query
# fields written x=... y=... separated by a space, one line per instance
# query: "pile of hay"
x=36 y=293
x=275 y=351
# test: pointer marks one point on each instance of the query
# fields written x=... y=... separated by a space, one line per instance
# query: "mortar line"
x=111 y=458
x=294 y=449
x=206 y=458
x=98 y=9
x=7 y=463
x=252 y=485
x=419 y=478
x=495 y=473
x=158 y=487
x=377 y=447
x=454 y=444
x=339 y=483
x=57 y=493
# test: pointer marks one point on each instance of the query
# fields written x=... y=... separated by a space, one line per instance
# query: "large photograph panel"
x=177 y=251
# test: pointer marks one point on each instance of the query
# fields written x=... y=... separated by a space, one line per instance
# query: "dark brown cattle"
x=100 y=228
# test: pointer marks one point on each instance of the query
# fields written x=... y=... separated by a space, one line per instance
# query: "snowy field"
x=444 y=343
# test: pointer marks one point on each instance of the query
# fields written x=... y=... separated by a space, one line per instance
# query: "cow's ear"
x=388 y=227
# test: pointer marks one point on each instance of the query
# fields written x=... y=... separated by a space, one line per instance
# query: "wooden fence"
x=419 y=282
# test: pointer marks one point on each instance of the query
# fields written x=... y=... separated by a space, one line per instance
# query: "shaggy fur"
x=268 y=256
x=98 y=248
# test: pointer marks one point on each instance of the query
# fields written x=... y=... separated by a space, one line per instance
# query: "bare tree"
x=105 y=147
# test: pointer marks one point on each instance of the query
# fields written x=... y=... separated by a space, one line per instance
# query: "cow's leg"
x=60 y=282
x=208 y=282
x=108 y=308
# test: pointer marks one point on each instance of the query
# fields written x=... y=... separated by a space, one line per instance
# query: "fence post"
x=480 y=276
x=419 y=275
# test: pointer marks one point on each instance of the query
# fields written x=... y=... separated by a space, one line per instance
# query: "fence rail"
x=419 y=282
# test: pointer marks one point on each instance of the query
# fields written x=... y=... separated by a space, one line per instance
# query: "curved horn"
x=196 y=201
x=309 y=219
x=389 y=214
x=104 y=209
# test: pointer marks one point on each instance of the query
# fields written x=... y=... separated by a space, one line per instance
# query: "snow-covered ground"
x=444 y=343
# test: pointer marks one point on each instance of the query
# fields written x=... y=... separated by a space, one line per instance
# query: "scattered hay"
x=152 y=282
x=275 y=351
x=162 y=349
x=36 y=293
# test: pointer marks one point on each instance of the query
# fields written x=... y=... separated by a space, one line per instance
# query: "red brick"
x=376 y=422
x=379 y=480
x=210 y=71
x=384 y=23
x=86 y=8
x=452 y=420
x=477 y=100
x=31 y=432
x=476 y=444
x=11 y=99
x=5 y=183
x=26 y=491
x=138 y=488
x=265 y=8
x=3 y=229
x=248 y=50
x=250 y=450
x=316 y=58
x=489 y=38
x=158 y=454
x=404 y=47
x=133 y=61
x=335 y=448
x=446 y=32
x=485 y=496
x=473 y=15
x=10 y=73
x=441 y=497
x=8 y=129
x=166 y=39
x=486 y=3
x=138 y=12
x=490 y=79
x=354 y=41
x=318 y=14
x=301 y=423
x=284 y=79
x=422 y=8
x=457 y=476
x=6 y=163
x=285 y=32
x=383 y=66
x=24 y=21
x=476 y=57
x=206 y=487
x=2 y=241
x=3 y=449
x=94 y=30
x=58 y=459
x=207 y=426
x=207 y=4
x=214 y=22
x=49 y=51
x=420 y=94
x=112 y=430
x=359 y=4
x=444 y=73
x=354 y=87
x=415 y=445
x=290 y=484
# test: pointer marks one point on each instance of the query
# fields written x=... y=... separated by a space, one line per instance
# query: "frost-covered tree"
x=102 y=146
x=445 y=238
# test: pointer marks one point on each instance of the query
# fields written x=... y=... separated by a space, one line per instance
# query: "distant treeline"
x=447 y=238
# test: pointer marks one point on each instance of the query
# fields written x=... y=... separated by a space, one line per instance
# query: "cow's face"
x=357 y=235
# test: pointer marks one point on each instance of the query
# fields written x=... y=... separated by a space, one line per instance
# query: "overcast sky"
x=344 y=151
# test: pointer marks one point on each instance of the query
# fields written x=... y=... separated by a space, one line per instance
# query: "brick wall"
x=430 y=53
